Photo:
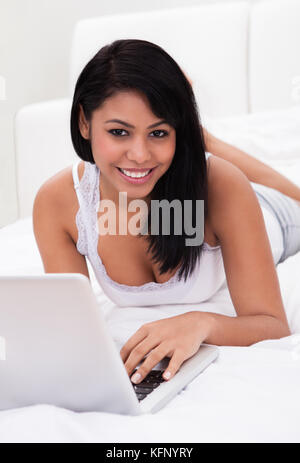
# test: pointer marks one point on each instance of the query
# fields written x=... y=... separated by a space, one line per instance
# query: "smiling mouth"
x=135 y=173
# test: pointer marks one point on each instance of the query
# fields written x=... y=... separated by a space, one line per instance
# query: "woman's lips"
x=136 y=181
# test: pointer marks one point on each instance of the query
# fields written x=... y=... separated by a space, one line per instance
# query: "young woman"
x=134 y=115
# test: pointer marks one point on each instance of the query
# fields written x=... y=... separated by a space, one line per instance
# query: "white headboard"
x=274 y=55
x=240 y=58
x=208 y=42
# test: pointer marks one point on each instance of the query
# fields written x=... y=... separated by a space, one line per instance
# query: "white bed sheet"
x=249 y=394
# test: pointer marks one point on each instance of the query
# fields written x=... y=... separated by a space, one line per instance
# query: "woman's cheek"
x=105 y=150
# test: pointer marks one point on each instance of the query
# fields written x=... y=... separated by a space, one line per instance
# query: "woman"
x=134 y=114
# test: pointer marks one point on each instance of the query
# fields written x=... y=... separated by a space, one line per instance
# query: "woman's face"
x=139 y=143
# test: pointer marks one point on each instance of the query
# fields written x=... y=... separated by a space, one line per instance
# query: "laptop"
x=55 y=348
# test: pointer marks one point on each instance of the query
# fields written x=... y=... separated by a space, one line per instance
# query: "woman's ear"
x=83 y=124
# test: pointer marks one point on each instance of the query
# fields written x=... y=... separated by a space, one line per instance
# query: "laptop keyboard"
x=152 y=381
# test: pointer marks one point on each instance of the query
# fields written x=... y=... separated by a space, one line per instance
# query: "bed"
x=249 y=394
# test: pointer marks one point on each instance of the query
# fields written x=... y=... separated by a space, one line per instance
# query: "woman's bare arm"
x=252 y=281
x=57 y=249
x=251 y=275
x=255 y=170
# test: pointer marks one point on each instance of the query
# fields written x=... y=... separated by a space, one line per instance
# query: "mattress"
x=249 y=394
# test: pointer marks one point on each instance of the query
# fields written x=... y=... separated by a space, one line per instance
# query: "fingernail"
x=136 y=377
x=167 y=375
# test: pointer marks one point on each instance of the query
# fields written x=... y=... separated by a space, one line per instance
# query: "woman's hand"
x=177 y=337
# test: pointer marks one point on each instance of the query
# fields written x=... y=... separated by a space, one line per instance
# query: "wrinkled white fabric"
x=250 y=394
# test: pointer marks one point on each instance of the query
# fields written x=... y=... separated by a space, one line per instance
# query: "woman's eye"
x=163 y=132
x=116 y=132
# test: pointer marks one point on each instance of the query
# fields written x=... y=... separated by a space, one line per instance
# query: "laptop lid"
x=56 y=348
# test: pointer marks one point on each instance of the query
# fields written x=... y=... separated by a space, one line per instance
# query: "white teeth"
x=135 y=174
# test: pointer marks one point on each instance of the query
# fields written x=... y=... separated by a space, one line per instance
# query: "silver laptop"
x=55 y=348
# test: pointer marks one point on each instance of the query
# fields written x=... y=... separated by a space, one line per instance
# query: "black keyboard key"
x=143 y=390
x=150 y=384
x=154 y=373
x=153 y=379
x=157 y=378
x=145 y=385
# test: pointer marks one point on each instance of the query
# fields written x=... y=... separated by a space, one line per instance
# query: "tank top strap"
x=85 y=188
x=87 y=191
x=75 y=174
x=83 y=196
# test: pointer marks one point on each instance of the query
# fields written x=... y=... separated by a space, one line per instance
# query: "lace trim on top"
x=95 y=257
x=83 y=196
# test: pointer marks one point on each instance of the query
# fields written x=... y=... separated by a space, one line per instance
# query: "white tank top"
x=207 y=278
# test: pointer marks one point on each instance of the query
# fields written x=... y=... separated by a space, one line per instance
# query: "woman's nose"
x=139 y=152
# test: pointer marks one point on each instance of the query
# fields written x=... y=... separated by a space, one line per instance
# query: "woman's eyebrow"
x=132 y=126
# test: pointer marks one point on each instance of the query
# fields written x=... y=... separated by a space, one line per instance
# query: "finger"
x=139 y=352
x=175 y=363
x=153 y=359
x=132 y=342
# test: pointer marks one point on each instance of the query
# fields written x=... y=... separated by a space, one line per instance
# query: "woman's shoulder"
x=223 y=177
x=226 y=183
x=61 y=183
x=57 y=194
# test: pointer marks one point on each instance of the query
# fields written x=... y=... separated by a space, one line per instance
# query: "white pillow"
x=270 y=136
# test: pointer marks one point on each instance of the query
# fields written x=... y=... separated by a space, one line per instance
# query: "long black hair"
x=133 y=64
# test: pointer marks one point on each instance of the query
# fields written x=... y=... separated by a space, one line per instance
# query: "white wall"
x=35 y=40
